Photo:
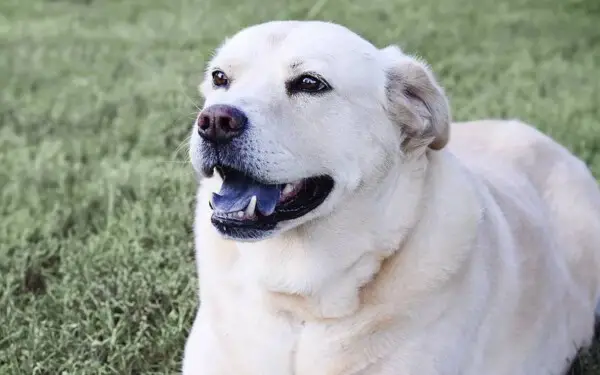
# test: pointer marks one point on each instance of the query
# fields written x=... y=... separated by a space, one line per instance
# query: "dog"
x=344 y=225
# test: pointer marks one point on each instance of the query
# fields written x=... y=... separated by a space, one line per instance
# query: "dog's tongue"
x=237 y=191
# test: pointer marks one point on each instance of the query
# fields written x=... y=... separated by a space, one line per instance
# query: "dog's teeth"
x=240 y=214
x=251 y=207
x=287 y=189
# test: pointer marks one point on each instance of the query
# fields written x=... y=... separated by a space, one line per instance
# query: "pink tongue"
x=237 y=190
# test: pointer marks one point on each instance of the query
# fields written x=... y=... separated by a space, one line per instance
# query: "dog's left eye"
x=307 y=83
x=220 y=79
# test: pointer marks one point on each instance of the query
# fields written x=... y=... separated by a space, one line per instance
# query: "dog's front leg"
x=200 y=356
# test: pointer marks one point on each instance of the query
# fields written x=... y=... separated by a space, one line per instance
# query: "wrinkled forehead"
x=294 y=47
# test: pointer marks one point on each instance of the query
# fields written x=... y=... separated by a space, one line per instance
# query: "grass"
x=96 y=260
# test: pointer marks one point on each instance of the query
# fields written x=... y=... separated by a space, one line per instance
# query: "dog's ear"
x=415 y=100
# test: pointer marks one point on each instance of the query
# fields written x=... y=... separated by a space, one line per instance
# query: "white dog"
x=339 y=233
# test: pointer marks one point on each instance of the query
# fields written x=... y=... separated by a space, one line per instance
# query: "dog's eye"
x=220 y=79
x=307 y=83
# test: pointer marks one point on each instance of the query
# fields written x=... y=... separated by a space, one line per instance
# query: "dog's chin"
x=249 y=210
x=235 y=232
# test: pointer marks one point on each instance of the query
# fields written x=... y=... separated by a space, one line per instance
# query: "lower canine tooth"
x=287 y=189
x=240 y=214
x=251 y=207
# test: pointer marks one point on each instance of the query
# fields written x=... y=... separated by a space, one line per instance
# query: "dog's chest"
x=263 y=340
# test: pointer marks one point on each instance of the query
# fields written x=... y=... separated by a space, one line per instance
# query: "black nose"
x=220 y=123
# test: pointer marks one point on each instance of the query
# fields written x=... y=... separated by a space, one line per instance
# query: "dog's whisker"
x=185 y=143
x=172 y=162
x=182 y=88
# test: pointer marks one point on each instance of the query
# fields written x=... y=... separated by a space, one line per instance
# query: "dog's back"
x=563 y=182
x=551 y=203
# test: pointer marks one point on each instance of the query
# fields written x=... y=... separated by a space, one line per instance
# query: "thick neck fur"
x=324 y=263
x=317 y=270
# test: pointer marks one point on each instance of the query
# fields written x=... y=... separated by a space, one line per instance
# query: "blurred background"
x=97 y=102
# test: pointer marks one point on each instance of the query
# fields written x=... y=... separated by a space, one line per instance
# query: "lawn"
x=96 y=193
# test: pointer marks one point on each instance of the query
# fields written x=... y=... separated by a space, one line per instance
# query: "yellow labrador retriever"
x=344 y=227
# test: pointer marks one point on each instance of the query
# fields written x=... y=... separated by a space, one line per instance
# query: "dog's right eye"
x=307 y=83
x=220 y=79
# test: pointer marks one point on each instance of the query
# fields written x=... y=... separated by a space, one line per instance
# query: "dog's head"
x=298 y=116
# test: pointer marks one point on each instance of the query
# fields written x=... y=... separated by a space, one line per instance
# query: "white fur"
x=481 y=257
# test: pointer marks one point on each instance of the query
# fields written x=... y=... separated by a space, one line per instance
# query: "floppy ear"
x=416 y=102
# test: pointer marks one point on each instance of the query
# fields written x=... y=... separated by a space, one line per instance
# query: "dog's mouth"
x=245 y=205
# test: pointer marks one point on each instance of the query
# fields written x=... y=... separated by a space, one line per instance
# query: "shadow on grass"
x=590 y=7
x=587 y=361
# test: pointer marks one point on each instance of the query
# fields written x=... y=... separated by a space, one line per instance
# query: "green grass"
x=96 y=103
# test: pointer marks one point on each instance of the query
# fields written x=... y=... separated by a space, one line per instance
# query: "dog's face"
x=299 y=115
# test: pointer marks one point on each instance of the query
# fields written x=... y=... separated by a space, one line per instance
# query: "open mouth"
x=244 y=206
